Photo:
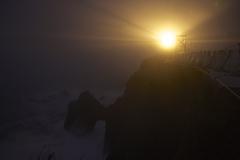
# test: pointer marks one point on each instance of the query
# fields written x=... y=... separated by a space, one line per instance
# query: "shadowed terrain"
x=172 y=111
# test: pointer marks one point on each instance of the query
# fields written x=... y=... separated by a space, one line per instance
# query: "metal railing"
x=225 y=60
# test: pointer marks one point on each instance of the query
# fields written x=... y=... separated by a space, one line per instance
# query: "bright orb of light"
x=167 y=39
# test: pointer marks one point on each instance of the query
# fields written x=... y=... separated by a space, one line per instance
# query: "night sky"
x=52 y=44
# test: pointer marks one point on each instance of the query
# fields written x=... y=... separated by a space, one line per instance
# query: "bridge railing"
x=225 y=60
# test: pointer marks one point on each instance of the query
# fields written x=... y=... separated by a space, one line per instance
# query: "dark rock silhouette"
x=173 y=112
x=168 y=111
x=83 y=113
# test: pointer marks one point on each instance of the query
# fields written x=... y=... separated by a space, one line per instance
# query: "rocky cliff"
x=172 y=111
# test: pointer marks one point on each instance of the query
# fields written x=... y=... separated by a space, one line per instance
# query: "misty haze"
x=119 y=80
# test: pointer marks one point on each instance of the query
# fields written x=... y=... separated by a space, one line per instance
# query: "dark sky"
x=80 y=19
x=92 y=43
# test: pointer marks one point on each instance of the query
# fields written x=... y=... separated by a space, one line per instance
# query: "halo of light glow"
x=167 y=39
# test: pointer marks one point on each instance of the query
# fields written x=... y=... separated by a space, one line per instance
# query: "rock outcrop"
x=173 y=112
x=83 y=113
x=168 y=111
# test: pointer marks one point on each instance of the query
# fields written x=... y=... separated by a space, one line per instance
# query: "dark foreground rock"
x=168 y=111
x=83 y=113
x=173 y=112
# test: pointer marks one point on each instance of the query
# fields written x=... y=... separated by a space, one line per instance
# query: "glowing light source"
x=167 y=39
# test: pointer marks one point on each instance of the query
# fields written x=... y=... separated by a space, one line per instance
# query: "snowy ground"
x=230 y=80
x=39 y=134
